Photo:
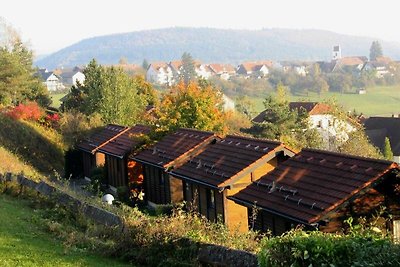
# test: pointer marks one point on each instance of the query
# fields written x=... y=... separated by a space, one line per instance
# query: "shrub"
x=28 y=111
x=299 y=248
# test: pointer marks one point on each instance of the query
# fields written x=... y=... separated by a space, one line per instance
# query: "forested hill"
x=213 y=45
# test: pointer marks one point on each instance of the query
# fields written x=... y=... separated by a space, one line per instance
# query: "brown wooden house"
x=120 y=169
x=224 y=168
x=91 y=157
x=171 y=151
x=320 y=189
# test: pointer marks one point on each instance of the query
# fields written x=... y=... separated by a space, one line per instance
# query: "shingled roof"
x=92 y=143
x=173 y=147
x=377 y=128
x=312 y=108
x=125 y=142
x=309 y=185
x=222 y=162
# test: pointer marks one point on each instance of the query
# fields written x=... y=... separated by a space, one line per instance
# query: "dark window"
x=162 y=178
x=210 y=199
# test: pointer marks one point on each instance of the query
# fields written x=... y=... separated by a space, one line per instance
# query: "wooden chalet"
x=91 y=157
x=224 y=168
x=321 y=189
x=120 y=169
x=171 y=151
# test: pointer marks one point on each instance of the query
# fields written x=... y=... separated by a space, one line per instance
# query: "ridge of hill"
x=214 y=45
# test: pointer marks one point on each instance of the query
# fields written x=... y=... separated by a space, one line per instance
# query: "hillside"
x=213 y=45
x=30 y=147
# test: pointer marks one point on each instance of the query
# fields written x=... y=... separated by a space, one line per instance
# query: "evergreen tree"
x=18 y=82
x=187 y=70
x=145 y=64
x=375 y=51
x=387 y=149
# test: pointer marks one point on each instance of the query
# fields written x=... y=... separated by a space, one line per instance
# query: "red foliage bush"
x=28 y=111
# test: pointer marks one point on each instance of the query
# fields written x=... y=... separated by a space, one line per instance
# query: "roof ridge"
x=345 y=155
x=111 y=139
x=254 y=139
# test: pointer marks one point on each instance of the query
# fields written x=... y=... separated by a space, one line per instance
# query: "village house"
x=297 y=67
x=354 y=63
x=50 y=80
x=223 y=71
x=223 y=168
x=160 y=73
x=333 y=130
x=320 y=190
x=203 y=71
x=381 y=69
x=170 y=152
x=71 y=77
x=378 y=128
x=256 y=69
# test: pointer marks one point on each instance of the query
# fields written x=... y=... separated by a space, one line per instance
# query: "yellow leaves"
x=191 y=106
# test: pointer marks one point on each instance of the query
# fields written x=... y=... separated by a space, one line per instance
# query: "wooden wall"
x=236 y=215
x=159 y=187
x=205 y=200
x=116 y=169
x=385 y=195
x=199 y=197
x=267 y=222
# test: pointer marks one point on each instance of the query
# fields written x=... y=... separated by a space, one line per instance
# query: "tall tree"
x=187 y=70
x=375 y=51
x=191 y=106
x=17 y=75
x=111 y=93
x=387 y=149
x=145 y=64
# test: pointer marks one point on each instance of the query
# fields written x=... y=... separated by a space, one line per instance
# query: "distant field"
x=24 y=242
x=384 y=100
x=56 y=99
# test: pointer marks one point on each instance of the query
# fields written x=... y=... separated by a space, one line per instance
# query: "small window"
x=211 y=199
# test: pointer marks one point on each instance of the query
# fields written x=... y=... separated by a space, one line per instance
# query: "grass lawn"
x=383 y=100
x=24 y=242
x=56 y=99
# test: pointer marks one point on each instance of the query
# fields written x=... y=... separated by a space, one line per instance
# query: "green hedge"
x=299 y=248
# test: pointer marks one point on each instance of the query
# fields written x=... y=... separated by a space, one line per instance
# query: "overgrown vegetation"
x=299 y=248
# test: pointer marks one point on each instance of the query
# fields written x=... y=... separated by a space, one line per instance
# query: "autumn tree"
x=359 y=145
x=375 y=51
x=191 y=106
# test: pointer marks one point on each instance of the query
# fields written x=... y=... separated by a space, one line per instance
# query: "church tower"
x=336 y=52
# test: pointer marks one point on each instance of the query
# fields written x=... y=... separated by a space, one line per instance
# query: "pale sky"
x=52 y=25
